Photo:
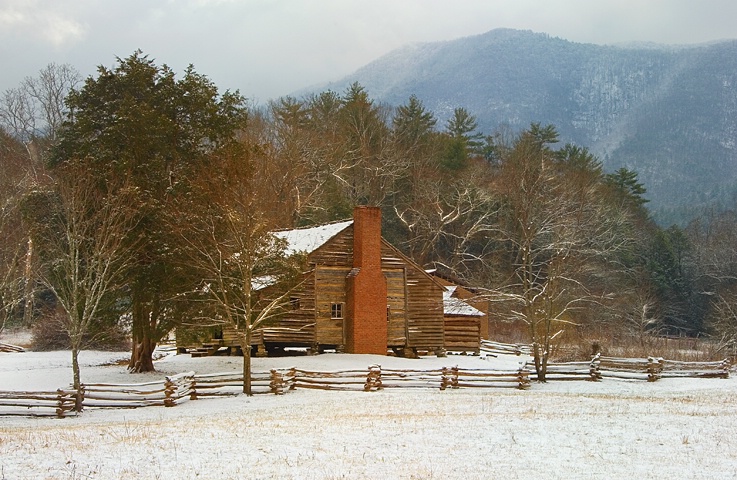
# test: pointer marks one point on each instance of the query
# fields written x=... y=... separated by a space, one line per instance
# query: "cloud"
x=61 y=31
x=44 y=24
x=268 y=48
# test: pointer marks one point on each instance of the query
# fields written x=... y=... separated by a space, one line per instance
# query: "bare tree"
x=11 y=255
x=34 y=111
x=714 y=237
x=13 y=237
x=724 y=318
x=229 y=245
x=450 y=222
x=641 y=317
x=32 y=114
x=82 y=236
x=560 y=239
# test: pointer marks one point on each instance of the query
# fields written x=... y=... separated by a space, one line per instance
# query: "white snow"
x=307 y=240
x=456 y=306
x=673 y=428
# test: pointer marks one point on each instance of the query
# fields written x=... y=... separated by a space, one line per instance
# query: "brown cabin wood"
x=413 y=306
x=414 y=301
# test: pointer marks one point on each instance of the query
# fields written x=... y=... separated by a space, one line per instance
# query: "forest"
x=134 y=201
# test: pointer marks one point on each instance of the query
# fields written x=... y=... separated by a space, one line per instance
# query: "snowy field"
x=614 y=429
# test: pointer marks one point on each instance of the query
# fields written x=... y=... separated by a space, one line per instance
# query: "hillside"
x=670 y=113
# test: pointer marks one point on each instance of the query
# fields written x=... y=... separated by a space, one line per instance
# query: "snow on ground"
x=673 y=428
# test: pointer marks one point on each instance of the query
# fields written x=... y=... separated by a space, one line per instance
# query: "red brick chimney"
x=366 y=301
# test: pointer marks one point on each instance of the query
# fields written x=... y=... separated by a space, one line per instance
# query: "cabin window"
x=294 y=303
x=336 y=310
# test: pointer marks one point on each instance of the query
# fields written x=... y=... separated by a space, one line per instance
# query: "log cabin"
x=466 y=313
x=359 y=295
x=462 y=322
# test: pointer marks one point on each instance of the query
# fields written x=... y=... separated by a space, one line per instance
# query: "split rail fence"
x=176 y=389
x=653 y=369
x=492 y=348
x=38 y=404
x=650 y=369
x=8 y=348
x=380 y=378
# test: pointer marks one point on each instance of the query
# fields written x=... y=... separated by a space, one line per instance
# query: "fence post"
x=523 y=377
x=193 y=392
x=292 y=378
x=373 y=379
x=277 y=382
x=78 y=398
x=595 y=368
x=654 y=368
x=724 y=368
x=61 y=399
x=449 y=378
x=454 y=377
x=170 y=393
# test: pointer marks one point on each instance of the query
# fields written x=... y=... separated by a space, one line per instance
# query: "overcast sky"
x=270 y=48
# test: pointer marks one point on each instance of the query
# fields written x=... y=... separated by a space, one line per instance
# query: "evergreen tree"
x=412 y=123
x=141 y=124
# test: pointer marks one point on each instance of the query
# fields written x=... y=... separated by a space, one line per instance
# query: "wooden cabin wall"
x=479 y=303
x=294 y=326
x=476 y=301
x=332 y=262
x=424 y=311
x=462 y=333
x=396 y=307
x=329 y=289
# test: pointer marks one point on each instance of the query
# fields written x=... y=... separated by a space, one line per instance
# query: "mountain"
x=668 y=112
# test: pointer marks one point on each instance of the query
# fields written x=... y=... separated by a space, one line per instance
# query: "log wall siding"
x=424 y=311
x=476 y=301
x=396 y=307
x=330 y=289
x=332 y=263
x=462 y=333
x=293 y=327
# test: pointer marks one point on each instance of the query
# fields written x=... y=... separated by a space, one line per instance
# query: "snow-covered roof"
x=307 y=240
x=257 y=283
x=456 y=306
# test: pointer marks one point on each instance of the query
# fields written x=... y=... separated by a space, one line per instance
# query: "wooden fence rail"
x=396 y=378
x=38 y=404
x=653 y=369
x=455 y=377
x=378 y=378
x=570 y=371
x=674 y=369
x=276 y=381
x=496 y=348
x=8 y=348
x=175 y=389
x=355 y=380
x=631 y=368
x=649 y=369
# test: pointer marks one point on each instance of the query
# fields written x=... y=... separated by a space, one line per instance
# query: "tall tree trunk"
x=142 y=355
x=246 y=348
x=144 y=337
x=540 y=362
x=28 y=286
x=77 y=382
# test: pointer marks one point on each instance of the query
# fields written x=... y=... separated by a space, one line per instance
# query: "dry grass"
x=684 y=349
